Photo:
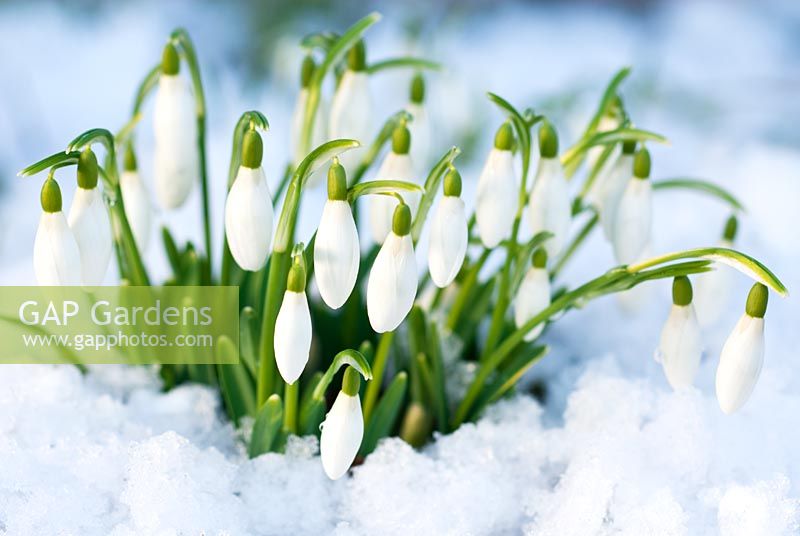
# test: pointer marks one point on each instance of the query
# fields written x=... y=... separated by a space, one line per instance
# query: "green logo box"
x=127 y=325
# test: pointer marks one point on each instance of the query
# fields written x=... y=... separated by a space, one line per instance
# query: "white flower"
x=680 y=347
x=448 y=240
x=532 y=298
x=351 y=115
x=381 y=207
x=610 y=188
x=392 y=283
x=88 y=219
x=742 y=355
x=248 y=210
x=137 y=207
x=56 y=259
x=343 y=429
x=336 y=253
x=292 y=335
x=633 y=220
x=550 y=208
x=497 y=196
x=176 y=157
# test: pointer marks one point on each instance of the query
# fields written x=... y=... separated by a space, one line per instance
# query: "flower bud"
x=136 y=200
x=548 y=140
x=680 y=346
x=534 y=294
x=449 y=236
x=633 y=218
x=292 y=340
x=56 y=259
x=343 y=429
x=497 y=196
x=549 y=206
x=88 y=219
x=396 y=166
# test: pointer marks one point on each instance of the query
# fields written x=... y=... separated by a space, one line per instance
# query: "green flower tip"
x=51 y=196
x=357 y=56
x=129 y=159
x=628 y=147
x=539 y=258
x=337 y=181
x=452 y=183
x=170 y=61
x=296 y=280
x=641 y=164
x=548 y=140
x=87 y=169
x=401 y=220
x=681 y=291
x=504 y=139
x=351 y=382
x=401 y=139
x=757 y=301
x=252 y=149
x=731 y=227
x=418 y=89
x=307 y=71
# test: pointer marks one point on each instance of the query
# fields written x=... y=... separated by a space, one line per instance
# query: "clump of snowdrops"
x=405 y=334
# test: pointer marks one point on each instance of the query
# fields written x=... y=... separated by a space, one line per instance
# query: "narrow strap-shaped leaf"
x=267 y=427
x=440 y=403
x=345 y=357
x=248 y=351
x=618 y=135
x=381 y=187
x=700 y=185
x=171 y=249
x=237 y=385
x=59 y=159
x=384 y=418
x=404 y=62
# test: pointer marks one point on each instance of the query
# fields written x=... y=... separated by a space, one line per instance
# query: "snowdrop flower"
x=680 y=347
x=343 y=428
x=248 y=209
x=632 y=223
x=396 y=166
x=136 y=200
x=88 y=219
x=420 y=126
x=336 y=248
x=351 y=109
x=298 y=118
x=743 y=353
x=292 y=341
x=56 y=259
x=497 y=197
x=533 y=296
x=392 y=283
x=713 y=288
x=611 y=187
x=550 y=208
x=607 y=123
x=449 y=235
x=174 y=121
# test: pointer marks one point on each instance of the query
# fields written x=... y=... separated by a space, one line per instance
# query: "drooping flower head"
x=343 y=428
x=136 y=200
x=56 y=259
x=420 y=125
x=612 y=186
x=88 y=219
x=248 y=208
x=396 y=166
x=534 y=294
x=633 y=221
x=549 y=207
x=351 y=109
x=292 y=341
x=449 y=233
x=392 y=284
x=497 y=196
x=680 y=347
x=336 y=248
x=743 y=353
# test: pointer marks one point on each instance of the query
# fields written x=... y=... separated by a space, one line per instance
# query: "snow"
x=612 y=451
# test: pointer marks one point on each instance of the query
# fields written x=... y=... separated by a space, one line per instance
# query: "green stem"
x=574 y=245
x=291 y=395
x=378 y=369
x=465 y=292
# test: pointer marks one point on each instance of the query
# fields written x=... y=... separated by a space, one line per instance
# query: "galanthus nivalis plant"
x=368 y=316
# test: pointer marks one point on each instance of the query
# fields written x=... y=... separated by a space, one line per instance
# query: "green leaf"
x=91 y=136
x=267 y=428
x=701 y=186
x=405 y=62
x=248 y=351
x=173 y=256
x=345 y=357
x=145 y=87
x=607 y=99
x=321 y=40
x=59 y=159
x=384 y=187
x=431 y=189
x=440 y=403
x=384 y=418
x=236 y=384
x=612 y=136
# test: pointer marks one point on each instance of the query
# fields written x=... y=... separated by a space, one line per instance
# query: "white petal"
x=175 y=127
x=420 y=129
x=740 y=363
x=611 y=192
x=448 y=241
x=497 y=198
x=392 y=283
x=632 y=224
x=550 y=208
x=342 y=432
x=395 y=167
x=248 y=219
x=56 y=259
x=336 y=253
x=88 y=219
x=292 y=335
x=351 y=115
x=532 y=298
x=680 y=347
x=137 y=207
x=712 y=291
